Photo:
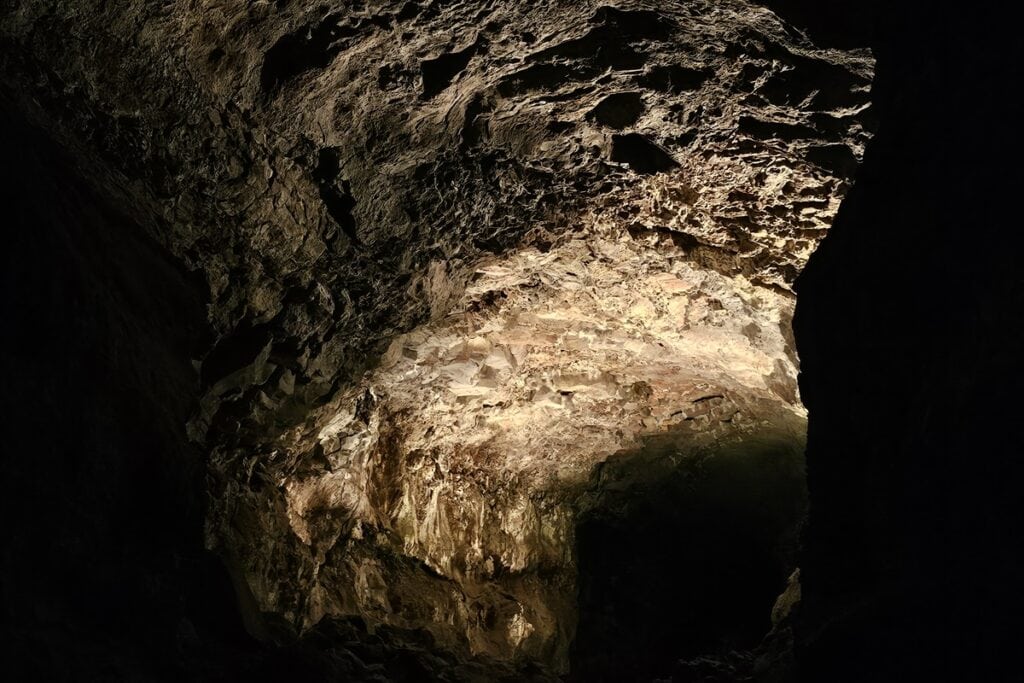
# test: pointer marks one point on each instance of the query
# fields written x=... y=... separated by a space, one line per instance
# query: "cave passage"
x=688 y=565
x=456 y=339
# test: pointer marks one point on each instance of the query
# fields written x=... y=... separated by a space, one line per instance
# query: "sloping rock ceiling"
x=478 y=273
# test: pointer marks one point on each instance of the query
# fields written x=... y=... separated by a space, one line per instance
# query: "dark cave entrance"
x=688 y=564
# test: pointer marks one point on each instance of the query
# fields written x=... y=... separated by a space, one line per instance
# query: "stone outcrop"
x=481 y=276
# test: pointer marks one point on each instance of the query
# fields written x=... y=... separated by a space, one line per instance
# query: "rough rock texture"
x=104 y=574
x=471 y=267
x=478 y=442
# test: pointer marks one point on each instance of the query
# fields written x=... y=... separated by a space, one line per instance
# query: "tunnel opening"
x=687 y=562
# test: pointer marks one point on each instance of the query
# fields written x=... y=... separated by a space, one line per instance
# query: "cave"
x=689 y=563
x=584 y=341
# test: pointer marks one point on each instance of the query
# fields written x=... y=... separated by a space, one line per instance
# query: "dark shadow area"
x=104 y=572
x=686 y=564
x=833 y=24
x=309 y=47
x=909 y=330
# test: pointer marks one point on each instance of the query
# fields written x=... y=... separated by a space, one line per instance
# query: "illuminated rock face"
x=475 y=271
x=474 y=446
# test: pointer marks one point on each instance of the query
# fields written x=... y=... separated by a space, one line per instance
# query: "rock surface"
x=471 y=268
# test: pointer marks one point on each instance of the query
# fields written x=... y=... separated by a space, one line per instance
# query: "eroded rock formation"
x=482 y=276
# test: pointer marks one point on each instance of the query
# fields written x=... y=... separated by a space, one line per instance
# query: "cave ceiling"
x=460 y=257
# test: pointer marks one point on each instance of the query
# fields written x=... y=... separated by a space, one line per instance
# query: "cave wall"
x=908 y=331
x=344 y=176
x=235 y=137
x=104 y=571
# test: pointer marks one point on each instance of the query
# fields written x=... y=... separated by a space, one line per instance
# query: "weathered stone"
x=464 y=299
